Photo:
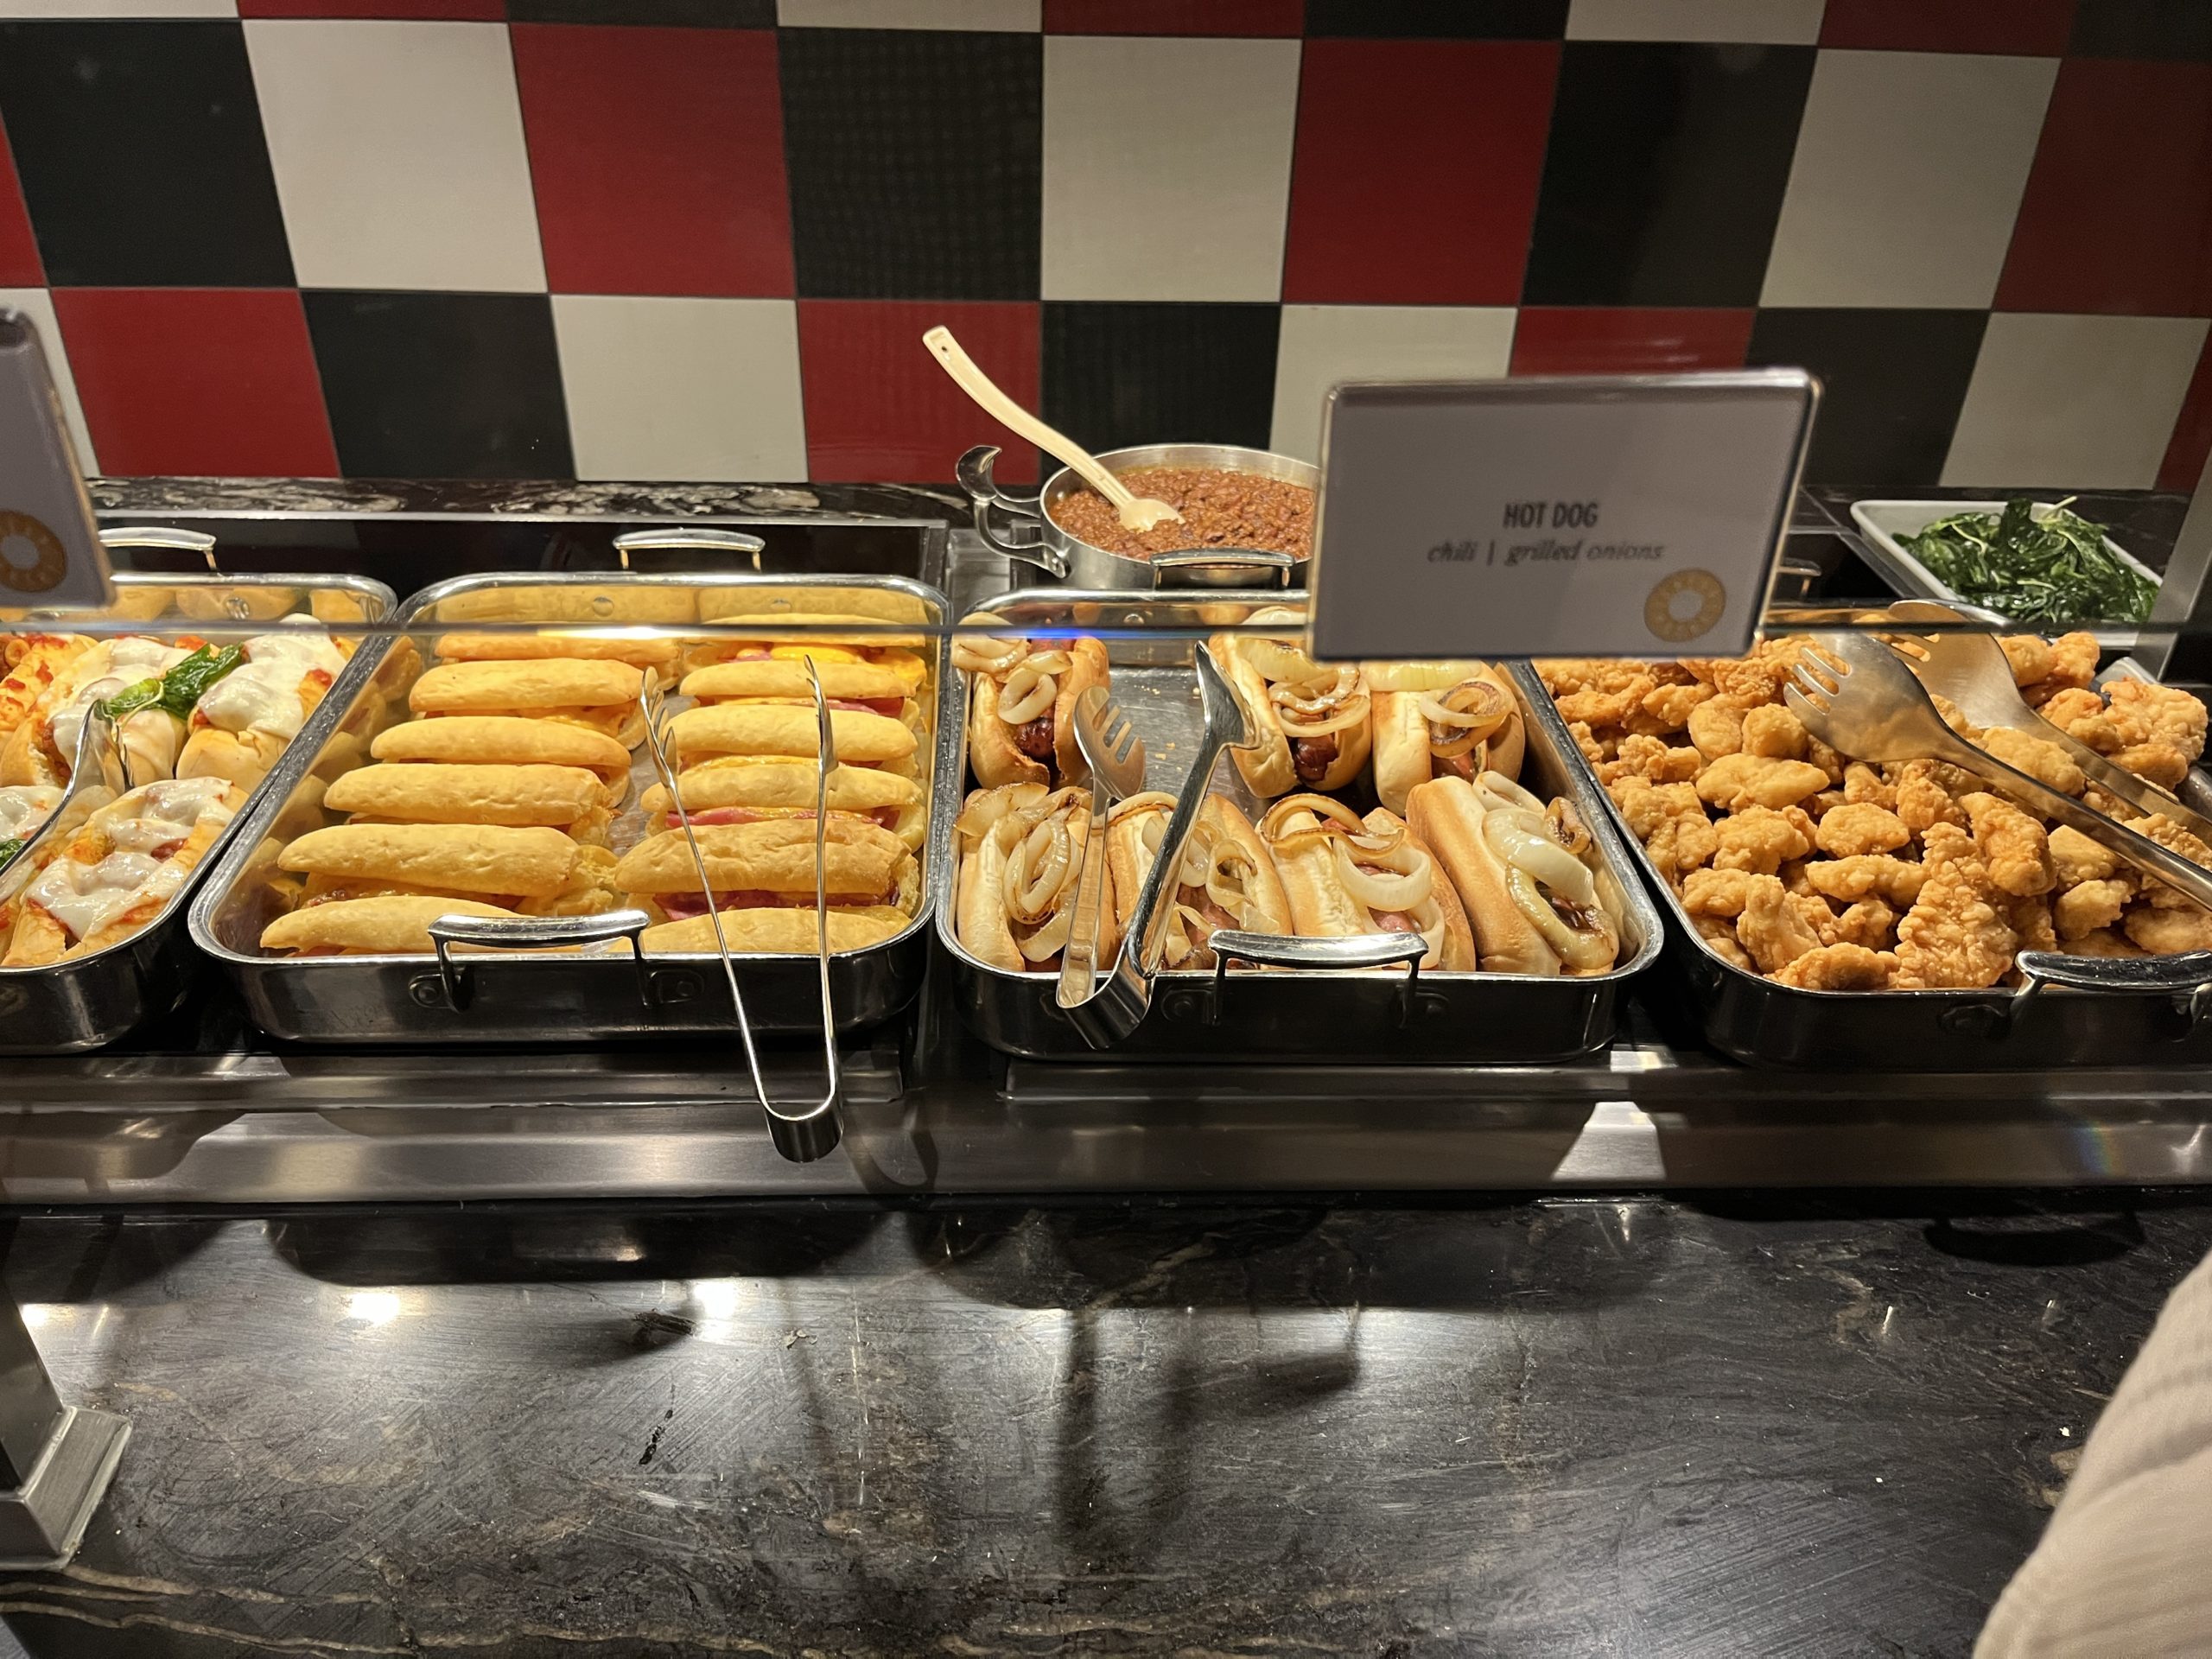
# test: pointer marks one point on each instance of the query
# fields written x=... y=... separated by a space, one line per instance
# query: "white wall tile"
x=1321 y=344
x=1166 y=167
x=398 y=153
x=1768 y=22
x=2072 y=402
x=1909 y=171
x=12 y=9
x=36 y=304
x=1009 y=17
x=682 y=389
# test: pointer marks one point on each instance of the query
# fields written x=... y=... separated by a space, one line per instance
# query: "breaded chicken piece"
x=2029 y=656
x=2158 y=763
x=1840 y=968
x=1923 y=798
x=1608 y=702
x=1717 y=894
x=2042 y=760
x=2168 y=833
x=1849 y=830
x=2082 y=909
x=1830 y=761
x=1761 y=840
x=1954 y=936
x=1648 y=756
x=1869 y=923
x=2149 y=712
x=1773 y=733
x=1719 y=932
x=1792 y=876
x=2076 y=859
x=1863 y=786
x=2081 y=715
x=1775 y=927
x=1667 y=707
x=2103 y=942
x=2073 y=660
x=1585 y=741
x=2167 y=932
x=1894 y=880
x=1749 y=682
x=1717 y=728
x=1670 y=822
x=1740 y=780
x=2033 y=926
x=2015 y=847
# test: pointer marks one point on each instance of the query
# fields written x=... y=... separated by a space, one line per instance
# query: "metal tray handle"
x=1022 y=534
x=532 y=933
x=162 y=536
x=1254 y=560
x=699 y=538
x=2187 y=978
x=1344 y=951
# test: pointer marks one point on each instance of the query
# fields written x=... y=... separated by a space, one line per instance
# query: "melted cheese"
x=84 y=898
x=118 y=664
x=262 y=693
x=25 y=807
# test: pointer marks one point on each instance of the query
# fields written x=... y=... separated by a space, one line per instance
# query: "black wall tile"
x=663 y=13
x=2143 y=29
x=1118 y=373
x=915 y=159
x=140 y=150
x=442 y=385
x=1892 y=384
x=1492 y=20
x=1665 y=173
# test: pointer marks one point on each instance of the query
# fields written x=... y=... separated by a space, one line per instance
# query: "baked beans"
x=1220 y=508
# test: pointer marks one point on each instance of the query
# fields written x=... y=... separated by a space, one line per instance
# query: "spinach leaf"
x=2052 y=571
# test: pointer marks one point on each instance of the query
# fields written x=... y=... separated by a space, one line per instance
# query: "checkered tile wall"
x=699 y=239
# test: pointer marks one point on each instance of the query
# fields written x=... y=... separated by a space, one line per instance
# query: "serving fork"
x=1856 y=695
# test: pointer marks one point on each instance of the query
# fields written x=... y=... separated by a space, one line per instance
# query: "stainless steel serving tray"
x=544 y=998
x=91 y=1002
x=1361 y=1017
x=2032 y=1027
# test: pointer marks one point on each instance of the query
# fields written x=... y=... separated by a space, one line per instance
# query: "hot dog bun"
x=391 y=924
x=492 y=859
x=746 y=728
x=1447 y=814
x=779 y=931
x=510 y=739
x=860 y=861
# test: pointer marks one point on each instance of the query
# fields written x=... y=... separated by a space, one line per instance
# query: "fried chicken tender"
x=2170 y=835
x=2042 y=760
x=2150 y=713
x=1773 y=733
x=2073 y=660
x=1762 y=840
x=1828 y=760
x=2103 y=942
x=1840 y=968
x=1740 y=780
x=1775 y=927
x=1609 y=701
x=2032 y=924
x=1644 y=756
x=1670 y=822
x=2076 y=859
x=2160 y=763
x=1564 y=674
x=1717 y=728
x=1849 y=830
x=1870 y=923
x=2081 y=715
x=1667 y=707
x=1585 y=741
x=2029 y=656
x=1716 y=893
x=1863 y=786
x=1923 y=798
x=1894 y=880
x=1954 y=936
x=1750 y=681
x=1720 y=934
x=2166 y=932
x=2015 y=847
x=2086 y=906
x=1792 y=876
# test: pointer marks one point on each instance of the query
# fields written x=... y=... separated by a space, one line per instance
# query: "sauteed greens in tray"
x=2050 y=569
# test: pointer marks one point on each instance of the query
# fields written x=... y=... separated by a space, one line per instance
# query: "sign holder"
x=50 y=551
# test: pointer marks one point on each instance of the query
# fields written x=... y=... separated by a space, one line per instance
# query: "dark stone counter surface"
x=1559 y=1427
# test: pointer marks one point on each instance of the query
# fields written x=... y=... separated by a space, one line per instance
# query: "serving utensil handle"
x=1079 y=961
x=1012 y=415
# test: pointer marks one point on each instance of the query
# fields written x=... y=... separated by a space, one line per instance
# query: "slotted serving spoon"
x=1973 y=673
x=1863 y=702
x=1139 y=513
x=1115 y=754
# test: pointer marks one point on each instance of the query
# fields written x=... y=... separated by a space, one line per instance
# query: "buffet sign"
x=50 y=551
x=1570 y=517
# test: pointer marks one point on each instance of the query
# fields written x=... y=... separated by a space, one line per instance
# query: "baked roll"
x=599 y=696
x=510 y=739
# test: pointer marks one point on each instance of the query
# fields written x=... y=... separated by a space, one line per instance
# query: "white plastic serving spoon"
x=1138 y=513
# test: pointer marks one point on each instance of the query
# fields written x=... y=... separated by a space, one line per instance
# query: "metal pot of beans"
x=1247 y=518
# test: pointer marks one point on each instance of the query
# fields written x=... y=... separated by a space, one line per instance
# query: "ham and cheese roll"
x=242 y=723
x=658 y=655
x=816 y=635
x=393 y=924
x=769 y=864
x=536 y=871
x=568 y=798
x=120 y=871
x=510 y=739
x=549 y=602
x=866 y=686
x=788 y=932
x=861 y=738
x=738 y=789
x=599 y=696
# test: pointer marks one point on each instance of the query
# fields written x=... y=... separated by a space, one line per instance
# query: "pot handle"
x=2187 y=978
x=1021 y=535
x=1271 y=569
x=532 y=933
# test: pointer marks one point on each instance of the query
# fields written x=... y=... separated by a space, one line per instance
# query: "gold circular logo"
x=32 y=558
x=1685 y=604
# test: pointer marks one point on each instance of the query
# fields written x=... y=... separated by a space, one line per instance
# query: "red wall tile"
x=210 y=381
x=19 y=262
x=1418 y=164
x=657 y=157
x=2192 y=440
x=2034 y=28
x=492 y=11
x=878 y=407
x=1174 y=16
x=2118 y=213
x=1549 y=339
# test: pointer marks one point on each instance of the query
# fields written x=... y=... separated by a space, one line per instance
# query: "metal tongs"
x=800 y=1134
x=98 y=775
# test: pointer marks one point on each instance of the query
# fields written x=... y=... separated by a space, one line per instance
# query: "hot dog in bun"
x=1440 y=720
x=1522 y=869
x=1312 y=720
x=1227 y=882
x=1021 y=849
x=1347 y=875
x=1022 y=701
